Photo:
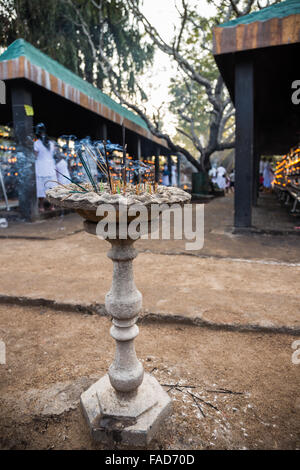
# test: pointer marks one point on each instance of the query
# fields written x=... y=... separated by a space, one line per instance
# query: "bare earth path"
x=76 y=270
x=53 y=356
x=246 y=382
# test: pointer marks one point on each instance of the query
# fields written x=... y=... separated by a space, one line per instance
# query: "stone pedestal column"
x=123 y=302
x=126 y=405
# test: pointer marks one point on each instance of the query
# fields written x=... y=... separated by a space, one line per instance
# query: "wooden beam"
x=258 y=34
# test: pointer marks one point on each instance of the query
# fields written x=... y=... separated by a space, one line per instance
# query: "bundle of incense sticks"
x=115 y=185
x=124 y=154
x=107 y=164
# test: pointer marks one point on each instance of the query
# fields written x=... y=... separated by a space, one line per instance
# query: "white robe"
x=45 y=173
x=213 y=175
x=165 y=178
x=63 y=171
x=174 y=176
x=221 y=180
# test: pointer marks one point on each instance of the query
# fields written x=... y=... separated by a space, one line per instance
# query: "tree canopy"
x=53 y=27
x=110 y=42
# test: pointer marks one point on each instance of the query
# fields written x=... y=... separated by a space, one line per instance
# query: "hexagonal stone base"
x=130 y=419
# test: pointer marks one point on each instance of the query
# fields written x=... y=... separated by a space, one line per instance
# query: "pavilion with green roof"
x=50 y=83
x=39 y=89
x=258 y=57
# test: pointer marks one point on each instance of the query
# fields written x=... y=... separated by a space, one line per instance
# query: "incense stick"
x=107 y=165
x=97 y=161
x=89 y=175
x=85 y=190
x=124 y=154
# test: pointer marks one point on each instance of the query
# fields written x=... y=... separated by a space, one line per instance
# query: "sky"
x=163 y=15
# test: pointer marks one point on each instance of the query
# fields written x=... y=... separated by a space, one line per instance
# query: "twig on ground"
x=199 y=407
x=202 y=401
x=223 y=390
x=179 y=385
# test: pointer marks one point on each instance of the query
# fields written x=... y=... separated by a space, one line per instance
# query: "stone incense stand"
x=127 y=405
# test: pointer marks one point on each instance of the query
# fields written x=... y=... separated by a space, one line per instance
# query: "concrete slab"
x=131 y=419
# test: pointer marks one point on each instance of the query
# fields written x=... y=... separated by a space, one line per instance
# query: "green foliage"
x=198 y=117
x=189 y=98
x=53 y=27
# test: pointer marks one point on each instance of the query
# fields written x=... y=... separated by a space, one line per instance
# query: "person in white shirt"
x=213 y=173
x=174 y=175
x=268 y=176
x=221 y=177
x=62 y=170
x=44 y=164
x=165 y=177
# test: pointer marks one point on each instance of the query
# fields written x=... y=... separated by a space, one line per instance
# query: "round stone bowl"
x=87 y=203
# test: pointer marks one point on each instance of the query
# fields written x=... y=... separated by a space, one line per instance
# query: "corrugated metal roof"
x=279 y=10
x=20 y=48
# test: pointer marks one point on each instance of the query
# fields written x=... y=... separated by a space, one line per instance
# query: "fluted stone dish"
x=87 y=203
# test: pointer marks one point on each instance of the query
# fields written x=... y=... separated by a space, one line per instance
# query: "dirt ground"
x=269 y=242
x=245 y=386
x=76 y=270
x=42 y=351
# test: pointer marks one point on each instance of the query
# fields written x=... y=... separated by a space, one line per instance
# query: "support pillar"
x=102 y=131
x=139 y=149
x=170 y=169
x=255 y=192
x=244 y=104
x=157 y=175
x=178 y=170
x=138 y=156
x=23 y=128
x=256 y=161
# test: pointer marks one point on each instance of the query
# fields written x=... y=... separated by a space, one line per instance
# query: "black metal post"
x=256 y=160
x=170 y=169
x=157 y=175
x=103 y=131
x=178 y=170
x=23 y=127
x=137 y=155
x=244 y=104
x=255 y=189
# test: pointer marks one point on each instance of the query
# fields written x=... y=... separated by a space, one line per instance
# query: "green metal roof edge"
x=20 y=47
x=278 y=10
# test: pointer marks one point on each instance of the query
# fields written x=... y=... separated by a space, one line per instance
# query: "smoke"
x=98 y=160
